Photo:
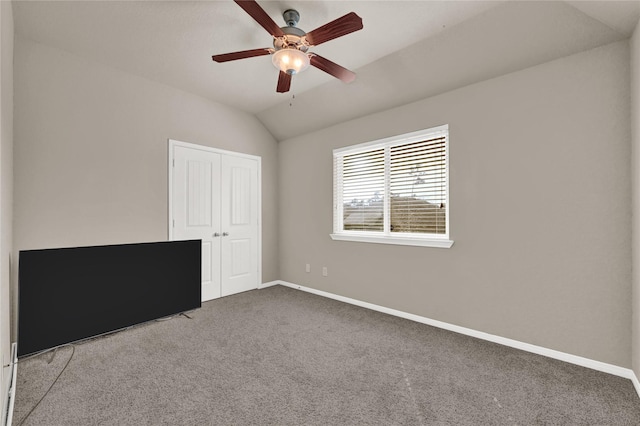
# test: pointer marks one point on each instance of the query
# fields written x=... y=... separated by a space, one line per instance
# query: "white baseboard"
x=551 y=353
x=7 y=410
x=269 y=284
x=636 y=382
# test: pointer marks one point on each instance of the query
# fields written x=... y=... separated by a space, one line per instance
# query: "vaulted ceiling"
x=408 y=50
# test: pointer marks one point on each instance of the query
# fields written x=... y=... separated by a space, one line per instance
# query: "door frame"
x=172 y=143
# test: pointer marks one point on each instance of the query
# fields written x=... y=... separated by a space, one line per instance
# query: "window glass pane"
x=362 y=191
x=418 y=187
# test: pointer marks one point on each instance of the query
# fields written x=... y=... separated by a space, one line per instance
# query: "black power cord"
x=73 y=351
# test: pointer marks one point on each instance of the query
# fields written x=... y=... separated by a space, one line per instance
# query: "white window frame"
x=388 y=237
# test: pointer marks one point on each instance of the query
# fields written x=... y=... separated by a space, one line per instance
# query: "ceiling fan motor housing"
x=292 y=39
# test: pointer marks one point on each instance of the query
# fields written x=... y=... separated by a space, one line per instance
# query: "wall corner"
x=634 y=47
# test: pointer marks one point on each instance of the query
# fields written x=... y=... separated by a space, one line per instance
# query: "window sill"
x=404 y=241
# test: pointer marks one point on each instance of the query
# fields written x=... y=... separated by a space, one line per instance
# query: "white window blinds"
x=417 y=187
x=363 y=186
x=396 y=187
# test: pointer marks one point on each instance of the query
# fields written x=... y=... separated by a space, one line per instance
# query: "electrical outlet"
x=308 y=268
x=324 y=271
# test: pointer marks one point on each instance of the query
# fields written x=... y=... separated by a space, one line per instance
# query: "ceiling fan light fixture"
x=291 y=61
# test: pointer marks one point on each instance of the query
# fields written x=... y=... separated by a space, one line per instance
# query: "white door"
x=215 y=197
x=239 y=224
x=196 y=210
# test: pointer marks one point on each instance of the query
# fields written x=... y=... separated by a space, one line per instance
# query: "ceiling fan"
x=291 y=44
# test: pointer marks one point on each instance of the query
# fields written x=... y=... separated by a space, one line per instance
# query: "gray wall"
x=635 y=165
x=6 y=183
x=91 y=152
x=540 y=209
x=540 y=181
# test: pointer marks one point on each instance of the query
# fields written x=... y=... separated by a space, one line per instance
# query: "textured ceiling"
x=407 y=50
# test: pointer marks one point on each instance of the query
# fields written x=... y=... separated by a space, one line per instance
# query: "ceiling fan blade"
x=332 y=68
x=334 y=29
x=284 y=82
x=241 y=55
x=261 y=17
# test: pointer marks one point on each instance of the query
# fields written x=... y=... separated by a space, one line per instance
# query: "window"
x=394 y=191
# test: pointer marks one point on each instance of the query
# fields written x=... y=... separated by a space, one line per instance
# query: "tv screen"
x=70 y=294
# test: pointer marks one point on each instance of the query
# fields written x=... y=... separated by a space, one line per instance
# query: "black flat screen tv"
x=70 y=294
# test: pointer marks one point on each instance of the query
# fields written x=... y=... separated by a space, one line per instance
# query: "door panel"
x=240 y=257
x=199 y=192
x=206 y=262
x=196 y=209
x=240 y=196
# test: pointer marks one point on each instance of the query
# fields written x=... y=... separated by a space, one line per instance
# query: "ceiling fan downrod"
x=291 y=17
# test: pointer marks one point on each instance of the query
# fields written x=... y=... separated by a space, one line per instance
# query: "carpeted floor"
x=284 y=357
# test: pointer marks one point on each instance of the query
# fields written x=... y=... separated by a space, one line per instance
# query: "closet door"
x=215 y=197
x=240 y=226
x=196 y=209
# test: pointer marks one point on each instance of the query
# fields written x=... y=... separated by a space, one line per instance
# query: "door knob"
x=215 y=234
x=225 y=234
